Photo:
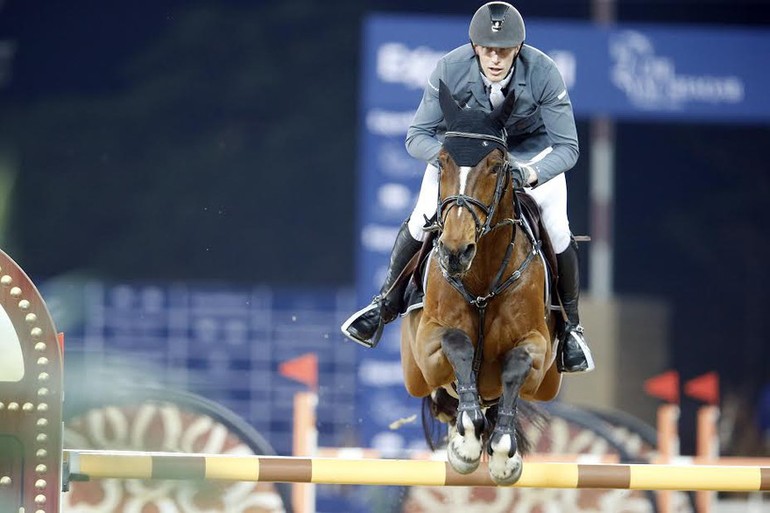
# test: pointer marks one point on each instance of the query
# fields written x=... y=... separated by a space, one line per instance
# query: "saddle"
x=415 y=270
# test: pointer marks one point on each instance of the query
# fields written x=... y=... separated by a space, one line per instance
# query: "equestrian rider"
x=542 y=145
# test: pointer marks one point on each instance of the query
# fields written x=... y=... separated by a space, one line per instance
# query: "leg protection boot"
x=365 y=326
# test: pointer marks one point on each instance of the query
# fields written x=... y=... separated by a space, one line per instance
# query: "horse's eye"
x=496 y=168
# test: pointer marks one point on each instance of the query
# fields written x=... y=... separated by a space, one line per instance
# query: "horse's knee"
x=457 y=345
x=516 y=365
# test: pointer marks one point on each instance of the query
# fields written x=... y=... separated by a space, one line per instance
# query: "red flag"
x=704 y=388
x=303 y=369
x=664 y=386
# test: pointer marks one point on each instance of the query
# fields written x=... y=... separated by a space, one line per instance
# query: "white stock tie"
x=496 y=95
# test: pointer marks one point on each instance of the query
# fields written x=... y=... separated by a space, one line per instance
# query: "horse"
x=486 y=333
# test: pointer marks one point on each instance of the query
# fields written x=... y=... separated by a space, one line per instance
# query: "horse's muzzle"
x=456 y=262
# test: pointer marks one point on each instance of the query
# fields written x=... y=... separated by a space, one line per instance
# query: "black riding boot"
x=365 y=326
x=573 y=354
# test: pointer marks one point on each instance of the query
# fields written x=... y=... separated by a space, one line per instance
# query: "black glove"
x=519 y=175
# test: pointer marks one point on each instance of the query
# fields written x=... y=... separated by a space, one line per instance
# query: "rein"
x=499 y=285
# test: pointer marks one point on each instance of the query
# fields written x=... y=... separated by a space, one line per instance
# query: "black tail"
x=431 y=427
x=443 y=405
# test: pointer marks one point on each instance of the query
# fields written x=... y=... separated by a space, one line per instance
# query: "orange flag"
x=303 y=369
x=664 y=386
x=704 y=388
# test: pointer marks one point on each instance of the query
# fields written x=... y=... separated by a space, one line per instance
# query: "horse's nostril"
x=469 y=251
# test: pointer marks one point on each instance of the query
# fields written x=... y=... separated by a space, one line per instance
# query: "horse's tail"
x=530 y=418
x=438 y=410
x=430 y=425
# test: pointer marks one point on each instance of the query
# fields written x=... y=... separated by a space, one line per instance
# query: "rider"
x=542 y=145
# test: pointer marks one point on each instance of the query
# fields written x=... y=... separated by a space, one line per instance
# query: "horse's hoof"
x=464 y=451
x=506 y=472
x=461 y=464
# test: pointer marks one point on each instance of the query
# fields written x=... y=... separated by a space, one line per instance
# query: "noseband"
x=468 y=202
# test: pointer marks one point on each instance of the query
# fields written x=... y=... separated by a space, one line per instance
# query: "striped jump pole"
x=139 y=465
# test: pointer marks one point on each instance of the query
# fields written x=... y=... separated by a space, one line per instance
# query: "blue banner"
x=636 y=72
x=631 y=72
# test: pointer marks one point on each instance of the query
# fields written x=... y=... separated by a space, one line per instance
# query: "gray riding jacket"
x=542 y=117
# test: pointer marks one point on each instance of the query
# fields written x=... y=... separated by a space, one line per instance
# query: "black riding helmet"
x=497 y=25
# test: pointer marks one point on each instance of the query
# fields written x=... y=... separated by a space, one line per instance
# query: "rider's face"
x=496 y=62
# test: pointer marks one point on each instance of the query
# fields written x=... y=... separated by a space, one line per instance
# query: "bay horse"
x=485 y=334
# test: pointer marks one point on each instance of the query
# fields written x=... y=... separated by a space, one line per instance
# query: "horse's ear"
x=503 y=111
x=449 y=106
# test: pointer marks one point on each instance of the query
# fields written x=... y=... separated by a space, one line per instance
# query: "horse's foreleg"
x=505 y=463
x=464 y=448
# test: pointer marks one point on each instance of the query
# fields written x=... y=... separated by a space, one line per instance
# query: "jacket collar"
x=476 y=84
x=519 y=79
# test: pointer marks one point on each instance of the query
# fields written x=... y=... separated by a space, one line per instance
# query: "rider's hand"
x=522 y=174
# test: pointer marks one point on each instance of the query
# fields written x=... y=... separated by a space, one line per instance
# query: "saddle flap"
x=415 y=293
x=531 y=212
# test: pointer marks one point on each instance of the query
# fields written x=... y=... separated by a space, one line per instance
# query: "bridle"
x=466 y=201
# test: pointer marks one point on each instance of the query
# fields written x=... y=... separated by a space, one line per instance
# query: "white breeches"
x=551 y=197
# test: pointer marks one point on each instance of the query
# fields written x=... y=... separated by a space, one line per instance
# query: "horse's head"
x=474 y=175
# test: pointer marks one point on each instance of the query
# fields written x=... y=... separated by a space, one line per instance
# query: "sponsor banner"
x=650 y=72
x=632 y=72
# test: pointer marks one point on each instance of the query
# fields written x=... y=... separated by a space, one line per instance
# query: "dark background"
x=216 y=141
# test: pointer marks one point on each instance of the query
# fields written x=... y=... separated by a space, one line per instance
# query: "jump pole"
x=155 y=465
